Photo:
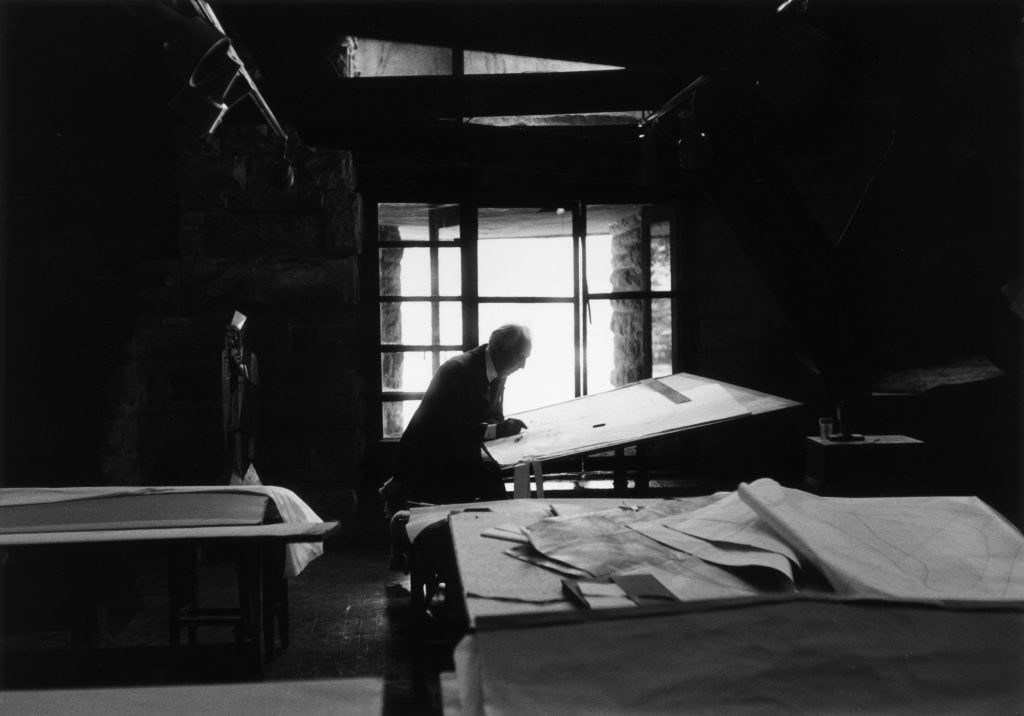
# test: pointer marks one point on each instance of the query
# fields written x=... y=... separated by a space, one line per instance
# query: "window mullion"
x=645 y=285
x=470 y=289
x=435 y=290
x=579 y=230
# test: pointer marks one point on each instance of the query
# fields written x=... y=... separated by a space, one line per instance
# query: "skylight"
x=367 y=57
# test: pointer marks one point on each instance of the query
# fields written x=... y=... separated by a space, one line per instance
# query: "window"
x=593 y=282
x=369 y=57
x=365 y=58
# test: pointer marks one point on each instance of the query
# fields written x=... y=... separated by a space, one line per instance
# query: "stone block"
x=265 y=234
x=326 y=169
x=337 y=342
x=344 y=223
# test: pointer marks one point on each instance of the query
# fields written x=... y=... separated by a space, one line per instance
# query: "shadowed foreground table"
x=243 y=522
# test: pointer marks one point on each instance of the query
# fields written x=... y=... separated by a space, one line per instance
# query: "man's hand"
x=509 y=426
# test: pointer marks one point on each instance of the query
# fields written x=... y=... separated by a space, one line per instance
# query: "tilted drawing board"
x=624 y=416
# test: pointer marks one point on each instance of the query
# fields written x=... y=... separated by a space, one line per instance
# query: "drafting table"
x=633 y=413
x=245 y=521
x=769 y=657
x=485 y=569
x=357 y=696
x=854 y=649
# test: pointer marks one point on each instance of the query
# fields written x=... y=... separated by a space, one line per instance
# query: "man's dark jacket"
x=439 y=454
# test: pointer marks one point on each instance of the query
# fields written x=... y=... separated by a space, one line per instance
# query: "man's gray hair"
x=509 y=339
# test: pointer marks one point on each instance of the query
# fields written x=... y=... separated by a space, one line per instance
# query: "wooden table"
x=771 y=653
x=180 y=524
x=361 y=696
x=485 y=569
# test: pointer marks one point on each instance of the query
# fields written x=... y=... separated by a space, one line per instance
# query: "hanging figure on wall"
x=240 y=385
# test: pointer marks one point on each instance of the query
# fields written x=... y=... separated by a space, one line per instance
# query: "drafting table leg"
x=642 y=480
x=521 y=482
x=619 y=482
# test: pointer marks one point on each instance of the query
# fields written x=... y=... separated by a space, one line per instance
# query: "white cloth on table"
x=289 y=505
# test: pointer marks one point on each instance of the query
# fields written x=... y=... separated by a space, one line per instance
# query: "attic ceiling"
x=866 y=153
x=833 y=77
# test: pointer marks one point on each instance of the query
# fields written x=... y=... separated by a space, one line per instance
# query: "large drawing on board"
x=627 y=415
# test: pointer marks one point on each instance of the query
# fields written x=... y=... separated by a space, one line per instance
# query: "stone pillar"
x=627 y=314
x=391 y=326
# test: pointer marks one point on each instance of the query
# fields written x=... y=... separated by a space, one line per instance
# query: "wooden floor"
x=350 y=617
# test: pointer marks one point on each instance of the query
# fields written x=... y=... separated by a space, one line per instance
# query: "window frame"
x=467 y=244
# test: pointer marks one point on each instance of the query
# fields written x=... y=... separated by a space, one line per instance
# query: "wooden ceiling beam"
x=402 y=100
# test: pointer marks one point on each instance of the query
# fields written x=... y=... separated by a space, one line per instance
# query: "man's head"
x=510 y=346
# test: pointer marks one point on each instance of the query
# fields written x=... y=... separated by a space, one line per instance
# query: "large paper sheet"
x=628 y=414
x=724 y=554
x=917 y=548
x=289 y=505
x=603 y=544
x=731 y=521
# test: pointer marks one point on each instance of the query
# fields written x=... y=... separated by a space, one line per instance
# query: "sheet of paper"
x=603 y=545
x=498 y=533
x=530 y=555
x=919 y=548
x=624 y=415
x=600 y=589
x=732 y=521
x=722 y=554
x=609 y=602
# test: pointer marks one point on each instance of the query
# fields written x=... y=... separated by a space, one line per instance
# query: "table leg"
x=183 y=592
x=275 y=599
x=250 y=602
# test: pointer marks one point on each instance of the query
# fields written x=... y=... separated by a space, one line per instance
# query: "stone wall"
x=128 y=246
x=286 y=256
x=391 y=327
x=627 y=314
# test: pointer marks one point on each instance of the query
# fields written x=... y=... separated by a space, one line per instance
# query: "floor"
x=350 y=617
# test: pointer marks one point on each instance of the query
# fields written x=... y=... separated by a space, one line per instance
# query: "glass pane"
x=599 y=263
x=409 y=323
x=615 y=344
x=549 y=375
x=600 y=347
x=525 y=252
x=406 y=271
x=495 y=63
x=661 y=337
x=367 y=57
x=390 y=269
x=574 y=119
x=614 y=233
x=409 y=371
x=396 y=415
x=525 y=267
x=661 y=265
x=411 y=222
x=451 y=322
x=449 y=269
